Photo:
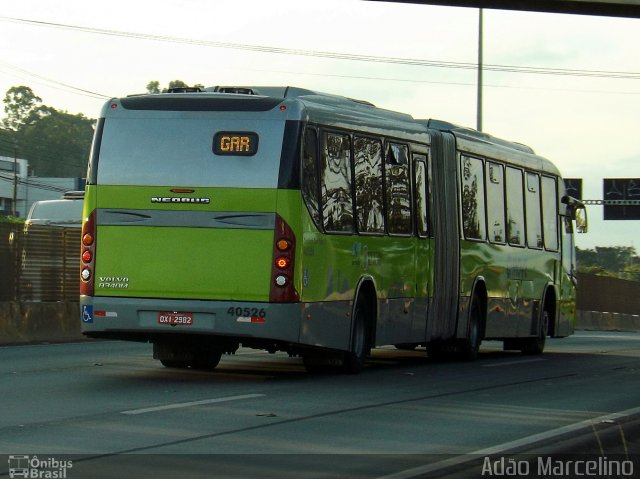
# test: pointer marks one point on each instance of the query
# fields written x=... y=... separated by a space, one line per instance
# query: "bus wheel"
x=169 y=363
x=206 y=361
x=354 y=360
x=321 y=363
x=471 y=345
x=536 y=345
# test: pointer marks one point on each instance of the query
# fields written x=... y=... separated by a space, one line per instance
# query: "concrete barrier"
x=36 y=322
x=607 y=321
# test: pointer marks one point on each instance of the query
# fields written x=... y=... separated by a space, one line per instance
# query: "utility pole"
x=480 y=66
x=15 y=179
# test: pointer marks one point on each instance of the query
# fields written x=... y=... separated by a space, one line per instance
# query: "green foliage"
x=20 y=105
x=154 y=86
x=11 y=219
x=615 y=261
x=177 y=84
x=56 y=143
x=7 y=145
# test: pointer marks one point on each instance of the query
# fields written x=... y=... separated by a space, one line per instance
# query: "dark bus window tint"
x=310 y=174
x=495 y=202
x=398 y=191
x=515 y=207
x=550 y=213
x=422 y=195
x=534 y=221
x=337 y=208
x=472 y=187
x=368 y=177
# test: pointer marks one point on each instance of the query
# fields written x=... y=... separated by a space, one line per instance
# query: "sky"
x=581 y=109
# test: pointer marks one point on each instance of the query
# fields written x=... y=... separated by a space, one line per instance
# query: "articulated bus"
x=288 y=220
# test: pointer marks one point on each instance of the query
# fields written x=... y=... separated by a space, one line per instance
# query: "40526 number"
x=247 y=312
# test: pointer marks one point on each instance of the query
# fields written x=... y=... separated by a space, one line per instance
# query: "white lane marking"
x=509 y=363
x=191 y=403
x=508 y=446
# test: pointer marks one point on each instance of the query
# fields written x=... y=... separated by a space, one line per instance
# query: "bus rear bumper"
x=150 y=319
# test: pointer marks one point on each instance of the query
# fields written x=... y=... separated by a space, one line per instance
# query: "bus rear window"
x=149 y=151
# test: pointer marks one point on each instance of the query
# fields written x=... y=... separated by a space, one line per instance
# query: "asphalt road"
x=113 y=411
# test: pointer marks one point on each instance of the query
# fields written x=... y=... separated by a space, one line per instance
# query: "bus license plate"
x=174 y=318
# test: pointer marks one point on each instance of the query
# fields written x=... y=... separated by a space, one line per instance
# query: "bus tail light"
x=88 y=255
x=282 y=267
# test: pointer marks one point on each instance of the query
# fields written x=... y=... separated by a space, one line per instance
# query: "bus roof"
x=339 y=112
x=316 y=107
x=483 y=144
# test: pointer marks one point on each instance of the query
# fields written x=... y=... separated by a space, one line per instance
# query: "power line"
x=56 y=84
x=333 y=55
x=34 y=184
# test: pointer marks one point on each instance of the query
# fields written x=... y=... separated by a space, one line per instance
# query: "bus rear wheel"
x=206 y=361
x=183 y=354
x=471 y=345
x=169 y=363
x=532 y=346
x=354 y=360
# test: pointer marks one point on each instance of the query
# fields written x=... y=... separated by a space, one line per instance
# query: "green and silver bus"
x=288 y=220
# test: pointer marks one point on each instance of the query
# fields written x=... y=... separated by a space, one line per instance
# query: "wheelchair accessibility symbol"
x=87 y=313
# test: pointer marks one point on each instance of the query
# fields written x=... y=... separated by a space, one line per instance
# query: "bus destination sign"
x=235 y=143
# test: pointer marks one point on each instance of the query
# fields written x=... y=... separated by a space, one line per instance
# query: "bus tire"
x=471 y=345
x=354 y=360
x=440 y=351
x=321 y=363
x=174 y=364
x=533 y=346
x=206 y=361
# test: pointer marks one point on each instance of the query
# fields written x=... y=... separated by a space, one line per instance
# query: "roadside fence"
x=40 y=263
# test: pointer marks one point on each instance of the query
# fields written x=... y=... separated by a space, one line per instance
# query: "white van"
x=66 y=211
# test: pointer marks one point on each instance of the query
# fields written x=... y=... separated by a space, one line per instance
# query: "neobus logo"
x=177 y=199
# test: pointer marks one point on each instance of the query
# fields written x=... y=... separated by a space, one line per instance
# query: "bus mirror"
x=577 y=211
x=580 y=215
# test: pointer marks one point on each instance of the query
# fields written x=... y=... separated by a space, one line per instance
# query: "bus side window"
x=495 y=202
x=398 y=189
x=515 y=207
x=310 y=174
x=337 y=204
x=550 y=213
x=532 y=200
x=368 y=179
x=421 y=195
x=472 y=187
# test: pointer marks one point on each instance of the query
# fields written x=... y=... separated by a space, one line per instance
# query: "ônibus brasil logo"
x=40 y=468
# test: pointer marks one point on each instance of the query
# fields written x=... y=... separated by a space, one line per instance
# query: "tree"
x=616 y=261
x=56 y=143
x=177 y=84
x=20 y=105
x=7 y=142
x=154 y=86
